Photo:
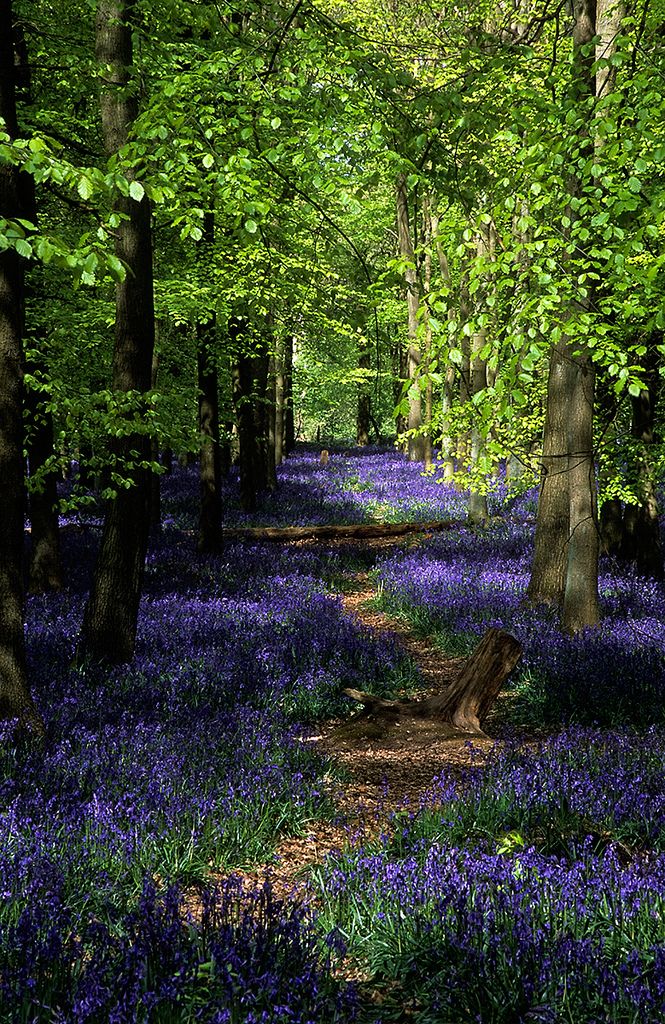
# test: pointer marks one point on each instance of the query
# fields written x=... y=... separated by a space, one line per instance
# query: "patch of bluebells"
x=582 y=784
x=192 y=754
x=189 y=760
x=219 y=954
x=533 y=889
x=459 y=584
x=356 y=486
x=506 y=939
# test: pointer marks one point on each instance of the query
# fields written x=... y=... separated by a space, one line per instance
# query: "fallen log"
x=352 y=531
x=464 y=704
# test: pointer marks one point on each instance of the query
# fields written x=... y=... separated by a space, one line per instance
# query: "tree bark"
x=415 y=417
x=45 y=572
x=363 y=404
x=250 y=378
x=155 y=478
x=464 y=441
x=351 y=531
x=611 y=527
x=15 y=698
x=262 y=407
x=398 y=357
x=45 y=561
x=111 y=614
x=478 y=510
x=466 y=702
x=428 y=446
x=210 y=511
x=289 y=418
x=449 y=376
x=550 y=552
x=580 y=599
x=279 y=400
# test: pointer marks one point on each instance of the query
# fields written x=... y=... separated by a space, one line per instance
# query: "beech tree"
x=15 y=699
x=110 y=618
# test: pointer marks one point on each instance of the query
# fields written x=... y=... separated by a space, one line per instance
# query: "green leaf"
x=136 y=191
x=23 y=248
x=116 y=268
x=84 y=188
x=208 y=161
x=251 y=227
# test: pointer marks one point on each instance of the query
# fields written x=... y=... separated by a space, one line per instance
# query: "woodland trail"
x=382 y=774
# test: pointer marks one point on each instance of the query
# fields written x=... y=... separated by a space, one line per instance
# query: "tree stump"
x=464 y=704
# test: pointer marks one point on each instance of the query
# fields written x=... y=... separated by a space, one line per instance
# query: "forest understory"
x=212 y=833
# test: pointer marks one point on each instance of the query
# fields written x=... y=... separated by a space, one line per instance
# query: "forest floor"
x=227 y=774
x=382 y=773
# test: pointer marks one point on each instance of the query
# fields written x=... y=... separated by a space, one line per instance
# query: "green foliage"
x=291 y=129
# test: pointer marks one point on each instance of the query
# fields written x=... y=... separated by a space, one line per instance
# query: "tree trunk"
x=262 y=408
x=641 y=527
x=351 y=531
x=580 y=599
x=466 y=702
x=478 y=510
x=210 y=474
x=15 y=699
x=289 y=418
x=363 y=406
x=156 y=478
x=398 y=357
x=550 y=552
x=45 y=571
x=249 y=420
x=428 y=453
x=464 y=441
x=45 y=561
x=279 y=401
x=611 y=527
x=449 y=376
x=415 y=417
x=111 y=614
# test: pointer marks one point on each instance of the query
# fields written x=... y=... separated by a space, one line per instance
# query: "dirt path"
x=381 y=774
